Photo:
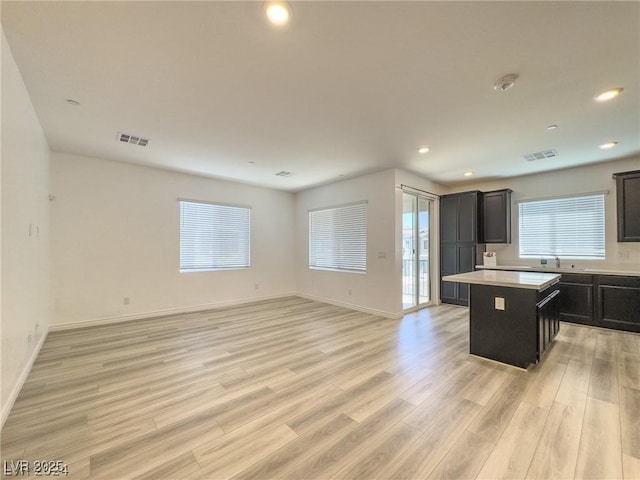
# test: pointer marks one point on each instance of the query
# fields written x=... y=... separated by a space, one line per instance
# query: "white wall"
x=590 y=178
x=115 y=234
x=4 y=405
x=377 y=290
x=25 y=232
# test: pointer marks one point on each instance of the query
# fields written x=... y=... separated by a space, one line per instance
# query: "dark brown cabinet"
x=628 y=205
x=576 y=298
x=496 y=216
x=519 y=334
x=618 y=302
x=460 y=219
x=548 y=311
x=469 y=217
x=449 y=218
x=456 y=258
x=607 y=301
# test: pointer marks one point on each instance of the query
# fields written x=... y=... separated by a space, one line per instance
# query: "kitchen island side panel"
x=509 y=335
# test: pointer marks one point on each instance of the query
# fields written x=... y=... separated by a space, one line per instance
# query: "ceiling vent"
x=284 y=174
x=127 y=138
x=531 y=157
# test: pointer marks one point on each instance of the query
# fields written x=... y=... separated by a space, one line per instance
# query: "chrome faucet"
x=557 y=262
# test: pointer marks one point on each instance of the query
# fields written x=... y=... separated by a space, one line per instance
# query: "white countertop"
x=500 y=278
x=586 y=271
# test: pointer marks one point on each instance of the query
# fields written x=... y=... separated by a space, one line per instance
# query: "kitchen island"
x=514 y=316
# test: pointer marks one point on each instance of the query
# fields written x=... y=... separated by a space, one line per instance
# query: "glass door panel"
x=409 y=223
x=424 y=214
x=416 y=287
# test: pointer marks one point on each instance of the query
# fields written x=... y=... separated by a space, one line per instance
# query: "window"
x=214 y=237
x=563 y=227
x=338 y=238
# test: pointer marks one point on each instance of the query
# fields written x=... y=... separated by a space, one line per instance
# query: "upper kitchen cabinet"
x=496 y=216
x=449 y=218
x=628 y=205
x=460 y=217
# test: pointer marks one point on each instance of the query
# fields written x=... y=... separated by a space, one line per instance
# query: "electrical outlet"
x=499 y=303
x=623 y=255
x=126 y=301
x=349 y=292
x=256 y=286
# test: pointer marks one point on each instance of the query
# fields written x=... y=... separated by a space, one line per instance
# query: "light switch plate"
x=499 y=303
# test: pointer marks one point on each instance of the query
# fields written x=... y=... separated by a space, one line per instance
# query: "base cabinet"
x=548 y=309
x=618 y=302
x=606 y=301
x=519 y=334
x=576 y=298
x=456 y=258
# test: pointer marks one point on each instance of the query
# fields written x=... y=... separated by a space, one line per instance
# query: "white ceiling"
x=346 y=88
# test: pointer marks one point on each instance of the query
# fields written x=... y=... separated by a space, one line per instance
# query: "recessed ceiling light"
x=608 y=94
x=552 y=127
x=423 y=149
x=608 y=145
x=278 y=13
x=468 y=174
x=73 y=102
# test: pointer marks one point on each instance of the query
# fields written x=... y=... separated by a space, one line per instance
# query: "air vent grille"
x=531 y=157
x=128 y=138
x=284 y=174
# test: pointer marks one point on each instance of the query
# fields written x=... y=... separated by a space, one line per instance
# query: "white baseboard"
x=373 y=311
x=210 y=306
x=156 y=313
x=15 y=391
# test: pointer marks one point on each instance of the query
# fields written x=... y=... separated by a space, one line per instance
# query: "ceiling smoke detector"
x=505 y=83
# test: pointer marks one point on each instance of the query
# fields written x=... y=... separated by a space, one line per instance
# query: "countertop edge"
x=522 y=268
x=504 y=283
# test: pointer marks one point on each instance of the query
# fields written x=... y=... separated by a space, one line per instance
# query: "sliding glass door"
x=416 y=216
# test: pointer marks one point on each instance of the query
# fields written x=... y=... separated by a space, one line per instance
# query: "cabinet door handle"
x=547 y=299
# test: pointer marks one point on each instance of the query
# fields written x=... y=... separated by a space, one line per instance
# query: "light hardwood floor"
x=296 y=389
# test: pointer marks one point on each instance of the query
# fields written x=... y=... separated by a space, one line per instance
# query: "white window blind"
x=338 y=238
x=214 y=237
x=563 y=227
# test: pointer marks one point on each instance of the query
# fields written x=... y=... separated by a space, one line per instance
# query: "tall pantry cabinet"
x=460 y=232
